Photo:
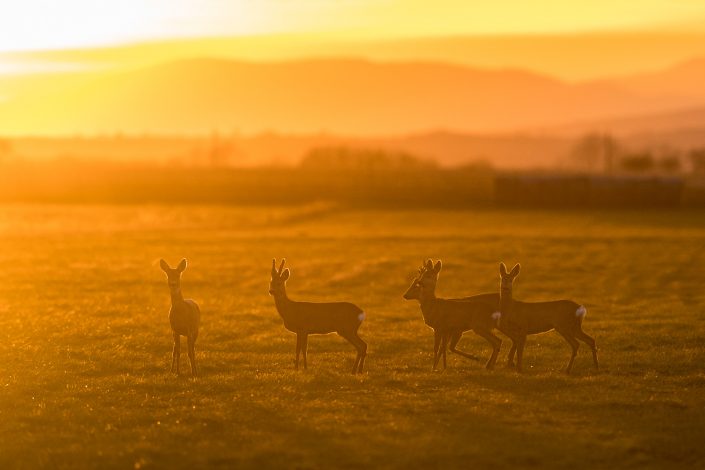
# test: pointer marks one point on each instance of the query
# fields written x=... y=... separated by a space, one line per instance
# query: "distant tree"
x=219 y=151
x=355 y=159
x=697 y=161
x=595 y=151
x=610 y=150
x=637 y=162
x=669 y=164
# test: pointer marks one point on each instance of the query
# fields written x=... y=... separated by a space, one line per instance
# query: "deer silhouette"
x=307 y=318
x=184 y=317
x=449 y=318
x=528 y=318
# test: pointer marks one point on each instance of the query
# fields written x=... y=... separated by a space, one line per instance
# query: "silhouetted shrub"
x=669 y=164
x=637 y=163
x=355 y=159
x=697 y=161
x=596 y=151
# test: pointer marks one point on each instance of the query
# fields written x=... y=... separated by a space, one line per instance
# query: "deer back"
x=320 y=317
x=538 y=317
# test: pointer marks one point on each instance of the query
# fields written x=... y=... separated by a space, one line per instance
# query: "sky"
x=54 y=49
x=49 y=24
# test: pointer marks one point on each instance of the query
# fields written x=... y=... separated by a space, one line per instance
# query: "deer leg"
x=349 y=338
x=360 y=346
x=361 y=351
x=510 y=356
x=496 y=345
x=454 y=338
x=356 y=363
x=192 y=353
x=574 y=346
x=444 y=348
x=304 y=348
x=298 y=350
x=176 y=352
x=521 y=342
x=436 y=348
x=590 y=341
x=173 y=354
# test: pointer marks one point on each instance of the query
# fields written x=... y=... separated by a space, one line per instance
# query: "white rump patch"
x=361 y=317
x=496 y=316
x=581 y=312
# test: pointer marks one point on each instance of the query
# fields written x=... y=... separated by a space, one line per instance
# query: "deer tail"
x=580 y=314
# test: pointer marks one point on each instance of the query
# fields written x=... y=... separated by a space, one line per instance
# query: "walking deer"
x=491 y=299
x=307 y=318
x=449 y=318
x=184 y=317
x=527 y=318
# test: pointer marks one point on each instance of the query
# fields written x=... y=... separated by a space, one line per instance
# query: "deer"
x=528 y=318
x=184 y=317
x=449 y=318
x=311 y=318
x=492 y=299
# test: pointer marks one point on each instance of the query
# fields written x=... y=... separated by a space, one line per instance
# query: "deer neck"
x=282 y=302
x=427 y=302
x=176 y=296
x=505 y=298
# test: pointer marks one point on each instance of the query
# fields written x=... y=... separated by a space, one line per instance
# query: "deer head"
x=173 y=276
x=277 y=286
x=508 y=278
x=424 y=285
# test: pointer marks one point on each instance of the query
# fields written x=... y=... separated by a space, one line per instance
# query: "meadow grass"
x=85 y=344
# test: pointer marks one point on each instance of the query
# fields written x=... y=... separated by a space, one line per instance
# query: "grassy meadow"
x=85 y=343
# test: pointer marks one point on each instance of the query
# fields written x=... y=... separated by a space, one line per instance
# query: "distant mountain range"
x=345 y=97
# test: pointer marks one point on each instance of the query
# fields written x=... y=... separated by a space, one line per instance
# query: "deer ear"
x=429 y=264
x=438 y=266
x=502 y=269
x=274 y=267
x=182 y=265
x=515 y=270
x=285 y=274
x=164 y=265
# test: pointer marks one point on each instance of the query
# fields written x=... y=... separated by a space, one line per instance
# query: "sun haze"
x=118 y=65
x=45 y=24
x=485 y=217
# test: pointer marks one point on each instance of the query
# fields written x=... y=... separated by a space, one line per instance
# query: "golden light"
x=48 y=24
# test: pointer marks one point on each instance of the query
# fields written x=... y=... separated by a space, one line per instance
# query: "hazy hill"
x=686 y=79
x=570 y=56
x=353 y=97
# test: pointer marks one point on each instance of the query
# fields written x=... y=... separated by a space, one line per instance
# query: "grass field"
x=85 y=343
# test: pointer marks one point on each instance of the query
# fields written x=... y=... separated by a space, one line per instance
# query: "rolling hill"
x=349 y=97
x=686 y=79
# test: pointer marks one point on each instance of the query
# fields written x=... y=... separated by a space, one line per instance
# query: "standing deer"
x=449 y=318
x=492 y=299
x=309 y=318
x=184 y=317
x=528 y=318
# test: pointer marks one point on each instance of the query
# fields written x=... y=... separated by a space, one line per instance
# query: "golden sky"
x=597 y=46
x=50 y=24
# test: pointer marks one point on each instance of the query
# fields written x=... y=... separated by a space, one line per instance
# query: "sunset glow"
x=341 y=234
x=46 y=24
x=56 y=56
